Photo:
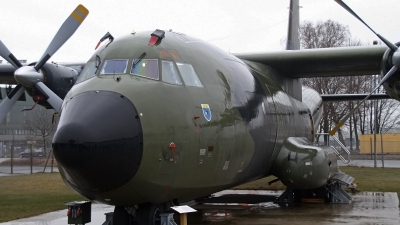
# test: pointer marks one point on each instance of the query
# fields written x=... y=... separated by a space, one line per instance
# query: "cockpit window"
x=146 y=68
x=114 y=66
x=169 y=73
x=189 y=76
x=88 y=71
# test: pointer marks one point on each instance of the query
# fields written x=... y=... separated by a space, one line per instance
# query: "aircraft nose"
x=99 y=141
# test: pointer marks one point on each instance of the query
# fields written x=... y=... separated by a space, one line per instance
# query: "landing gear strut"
x=332 y=193
x=149 y=214
x=145 y=214
x=121 y=216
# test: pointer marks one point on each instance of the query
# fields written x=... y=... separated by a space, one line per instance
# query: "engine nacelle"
x=392 y=85
x=58 y=78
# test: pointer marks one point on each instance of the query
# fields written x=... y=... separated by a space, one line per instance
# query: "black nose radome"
x=99 y=141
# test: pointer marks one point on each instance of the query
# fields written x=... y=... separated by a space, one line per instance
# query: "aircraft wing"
x=323 y=62
x=7 y=74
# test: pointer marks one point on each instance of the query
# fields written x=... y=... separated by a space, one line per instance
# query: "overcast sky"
x=27 y=27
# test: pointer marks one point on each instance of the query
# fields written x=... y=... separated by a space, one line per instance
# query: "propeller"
x=394 y=69
x=7 y=55
x=32 y=77
x=14 y=95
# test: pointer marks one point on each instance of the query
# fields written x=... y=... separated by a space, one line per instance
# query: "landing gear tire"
x=149 y=214
x=121 y=216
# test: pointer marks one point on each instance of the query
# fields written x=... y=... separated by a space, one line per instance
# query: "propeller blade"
x=66 y=30
x=347 y=116
x=9 y=101
x=384 y=40
x=7 y=55
x=52 y=98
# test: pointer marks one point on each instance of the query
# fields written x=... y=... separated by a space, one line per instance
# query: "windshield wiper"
x=134 y=64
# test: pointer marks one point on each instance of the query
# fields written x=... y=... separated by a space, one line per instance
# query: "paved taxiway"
x=370 y=163
x=367 y=208
x=5 y=170
x=17 y=170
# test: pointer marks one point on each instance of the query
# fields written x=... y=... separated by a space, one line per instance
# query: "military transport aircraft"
x=158 y=118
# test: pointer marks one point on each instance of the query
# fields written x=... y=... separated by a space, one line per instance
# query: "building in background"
x=13 y=129
x=390 y=143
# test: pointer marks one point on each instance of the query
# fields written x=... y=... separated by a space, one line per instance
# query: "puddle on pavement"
x=368 y=208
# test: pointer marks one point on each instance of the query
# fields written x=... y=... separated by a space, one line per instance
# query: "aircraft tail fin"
x=293 y=40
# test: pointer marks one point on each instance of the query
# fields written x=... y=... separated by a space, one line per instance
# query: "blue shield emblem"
x=206 y=111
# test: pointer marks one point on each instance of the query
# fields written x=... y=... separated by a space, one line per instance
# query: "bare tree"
x=332 y=34
x=387 y=109
x=39 y=122
x=327 y=34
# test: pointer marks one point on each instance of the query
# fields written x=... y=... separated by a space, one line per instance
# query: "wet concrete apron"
x=367 y=208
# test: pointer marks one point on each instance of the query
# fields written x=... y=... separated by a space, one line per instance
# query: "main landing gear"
x=144 y=214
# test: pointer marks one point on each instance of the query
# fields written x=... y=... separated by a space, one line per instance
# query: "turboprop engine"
x=57 y=78
x=392 y=85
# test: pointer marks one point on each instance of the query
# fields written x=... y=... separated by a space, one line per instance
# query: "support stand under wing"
x=332 y=192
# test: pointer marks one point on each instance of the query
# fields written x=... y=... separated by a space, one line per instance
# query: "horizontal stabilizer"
x=352 y=97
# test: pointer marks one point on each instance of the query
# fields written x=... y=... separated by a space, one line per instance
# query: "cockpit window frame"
x=176 y=73
x=108 y=60
x=142 y=61
x=89 y=65
x=185 y=78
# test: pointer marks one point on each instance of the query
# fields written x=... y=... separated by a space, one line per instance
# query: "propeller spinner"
x=393 y=70
x=32 y=77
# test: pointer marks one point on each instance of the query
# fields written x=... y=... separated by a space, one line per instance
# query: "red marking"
x=166 y=192
x=174 y=157
x=197 y=129
x=38 y=98
x=175 y=54
x=78 y=213
x=97 y=45
x=163 y=54
x=172 y=146
x=69 y=213
x=196 y=117
x=153 y=40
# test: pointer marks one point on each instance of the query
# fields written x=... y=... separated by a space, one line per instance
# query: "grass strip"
x=366 y=178
x=28 y=195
